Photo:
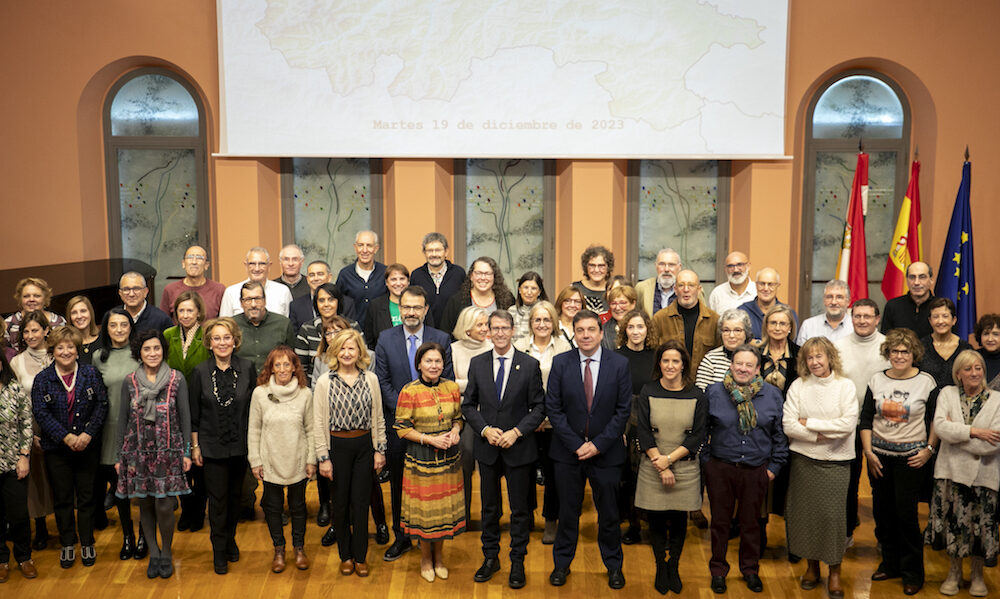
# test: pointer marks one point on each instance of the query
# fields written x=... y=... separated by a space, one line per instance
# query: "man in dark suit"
x=588 y=401
x=395 y=367
x=503 y=405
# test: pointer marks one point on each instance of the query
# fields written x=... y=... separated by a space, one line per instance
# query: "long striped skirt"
x=815 y=518
x=433 y=505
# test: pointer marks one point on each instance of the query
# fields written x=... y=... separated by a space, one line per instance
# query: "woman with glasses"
x=598 y=265
x=734 y=326
x=898 y=440
x=326 y=302
x=220 y=392
x=621 y=301
x=568 y=303
x=484 y=287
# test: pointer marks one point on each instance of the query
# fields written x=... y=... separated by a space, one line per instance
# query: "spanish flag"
x=852 y=266
x=907 y=240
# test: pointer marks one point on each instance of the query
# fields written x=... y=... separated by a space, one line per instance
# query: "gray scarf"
x=150 y=392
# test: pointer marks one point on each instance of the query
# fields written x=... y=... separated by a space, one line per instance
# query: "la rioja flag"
x=852 y=266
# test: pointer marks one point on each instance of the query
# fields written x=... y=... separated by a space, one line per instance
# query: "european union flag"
x=956 y=278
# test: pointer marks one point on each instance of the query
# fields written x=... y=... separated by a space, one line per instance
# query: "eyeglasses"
x=479 y=274
x=257 y=264
x=737 y=265
x=687 y=285
x=778 y=324
x=222 y=339
x=573 y=302
x=130 y=290
x=251 y=300
x=403 y=308
x=733 y=331
x=768 y=285
x=899 y=352
x=598 y=266
x=331 y=333
x=620 y=303
x=501 y=329
x=195 y=258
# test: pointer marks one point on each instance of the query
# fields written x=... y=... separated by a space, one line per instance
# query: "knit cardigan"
x=962 y=459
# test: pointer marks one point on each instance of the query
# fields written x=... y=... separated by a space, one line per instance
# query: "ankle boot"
x=141 y=549
x=128 y=544
x=301 y=561
x=834 y=588
x=660 y=581
x=673 y=575
x=977 y=586
x=278 y=563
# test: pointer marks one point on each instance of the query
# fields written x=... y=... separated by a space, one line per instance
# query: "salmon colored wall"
x=60 y=58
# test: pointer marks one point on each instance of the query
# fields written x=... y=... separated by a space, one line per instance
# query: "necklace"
x=215 y=389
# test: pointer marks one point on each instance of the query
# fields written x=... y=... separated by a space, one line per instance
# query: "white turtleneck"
x=830 y=410
x=862 y=358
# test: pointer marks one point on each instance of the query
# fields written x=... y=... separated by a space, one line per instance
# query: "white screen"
x=504 y=78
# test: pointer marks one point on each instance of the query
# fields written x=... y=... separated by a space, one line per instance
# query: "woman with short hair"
x=735 y=328
x=819 y=418
x=963 y=512
x=154 y=445
x=279 y=443
x=621 y=301
x=220 y=391
x=988 y=337
x=350 y=440
x=69 y=402
x=31 y=293
x=942 y=345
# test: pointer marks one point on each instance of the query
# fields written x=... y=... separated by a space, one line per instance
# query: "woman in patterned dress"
x=429 y=416
x=15 y=447
x=962 y=517
x=154 y=434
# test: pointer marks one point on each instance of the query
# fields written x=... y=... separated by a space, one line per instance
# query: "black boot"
x=660 y=583
x=674 y=576
x=141 y=549
x=41 y=535
x=128 y=544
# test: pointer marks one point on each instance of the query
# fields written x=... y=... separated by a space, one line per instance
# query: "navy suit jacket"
x=522 y=406
x=566 y=407
x=392 y=363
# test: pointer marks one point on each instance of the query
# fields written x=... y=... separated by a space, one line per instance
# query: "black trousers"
x=106 y=483
x=14 y=513
x=550 y=495
x=519 y=485
x=71 y=474
x=395 y=455
x=857 y=464
x=224 y=486
x=273 y=500
x=894 y=507
x=193 y=504
x=729 y=486
x=571 y=478
x=353 y=462
x=667 y=531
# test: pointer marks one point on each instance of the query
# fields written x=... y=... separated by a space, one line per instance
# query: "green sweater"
x=119 y=365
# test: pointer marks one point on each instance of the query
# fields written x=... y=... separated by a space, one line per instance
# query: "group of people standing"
x=651 y=394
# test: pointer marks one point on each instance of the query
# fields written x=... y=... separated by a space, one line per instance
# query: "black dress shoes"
x=632 y=536
x=397 y=549
x=381 y=533
x=128 y=546
x=558 y=576
x=491 y=566
x=754 y=583
x=329 y=537
x=323 y=516
x=516 y=579
x=616 y=579
x=718 y=585
x=233 y=553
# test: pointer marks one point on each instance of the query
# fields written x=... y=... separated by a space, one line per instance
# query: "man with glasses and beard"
x=833 y=323
x=738 y=289
x=656 y=293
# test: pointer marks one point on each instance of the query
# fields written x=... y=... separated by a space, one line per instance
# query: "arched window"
x=853 y=107
x=154 y=132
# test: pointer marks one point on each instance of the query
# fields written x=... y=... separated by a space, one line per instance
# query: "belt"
x=742 y=465
x=351 y=434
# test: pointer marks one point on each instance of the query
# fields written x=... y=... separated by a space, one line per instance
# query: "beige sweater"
x=280 y=432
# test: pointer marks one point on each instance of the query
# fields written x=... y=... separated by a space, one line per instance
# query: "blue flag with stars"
x=957 y=274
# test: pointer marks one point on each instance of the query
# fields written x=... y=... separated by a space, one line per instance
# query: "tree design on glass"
x=504 y=213
x=332 y=203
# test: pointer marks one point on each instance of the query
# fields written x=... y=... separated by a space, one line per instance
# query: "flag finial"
x=966 y=152
x=916 y=152
x=861 y=144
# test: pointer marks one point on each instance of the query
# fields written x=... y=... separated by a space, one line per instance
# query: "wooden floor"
x=250 y=578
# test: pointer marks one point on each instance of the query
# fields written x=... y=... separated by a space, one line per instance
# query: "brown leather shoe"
x=361 y=568
x=4 y=572
x=28 y=568
x=301 y=561
x=911 y=589
x=347 y=567
x=278 y=563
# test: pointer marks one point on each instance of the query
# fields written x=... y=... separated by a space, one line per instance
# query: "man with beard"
x=738 y=289
x=395 y=366
x=833 y=324
x=747 y=448
x=768 y=281
x=912 y=309
x=258 y=261
x=689 y=320
x=262 y=330
x=439 y=277
x=656 y=293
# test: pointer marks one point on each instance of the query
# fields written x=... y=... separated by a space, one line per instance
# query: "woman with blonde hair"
x=31 y=293
x=820 y=417
x=621 y=301
x=349 y=439
x=963 y=511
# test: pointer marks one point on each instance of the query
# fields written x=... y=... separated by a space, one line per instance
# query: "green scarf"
x=742 y=396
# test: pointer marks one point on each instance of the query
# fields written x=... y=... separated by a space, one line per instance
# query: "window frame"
x=113 y=143
x=814 y=146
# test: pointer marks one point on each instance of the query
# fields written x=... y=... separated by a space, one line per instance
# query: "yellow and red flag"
x=852 y=266
x=907 y=240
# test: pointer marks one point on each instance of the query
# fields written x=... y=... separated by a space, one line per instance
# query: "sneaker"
x=88 y=555
x=67 y=556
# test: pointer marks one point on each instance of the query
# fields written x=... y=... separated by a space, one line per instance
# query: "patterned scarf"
x=972 y=405
x=742 y=396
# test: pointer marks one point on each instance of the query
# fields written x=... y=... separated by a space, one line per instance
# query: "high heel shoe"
x=141 y=549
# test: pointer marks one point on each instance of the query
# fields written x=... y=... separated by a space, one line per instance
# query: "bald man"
x=291 y=258
x=195 y=264
x=257 y=263
x=910 y=310
x=768 y=280
x=738 y=288
x=689 y=320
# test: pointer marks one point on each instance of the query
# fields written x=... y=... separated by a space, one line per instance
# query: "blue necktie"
x=500 y=380
x=412 y=353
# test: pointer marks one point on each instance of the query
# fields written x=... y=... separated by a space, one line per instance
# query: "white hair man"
x=656 y=293
x=257 y=261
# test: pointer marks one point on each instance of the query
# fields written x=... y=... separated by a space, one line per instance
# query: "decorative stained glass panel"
x=158 y=200
x=154 y=105
x=678 y=208
x=504 y=214
x=332 y=199
x=834 y=176
x=858 y=106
